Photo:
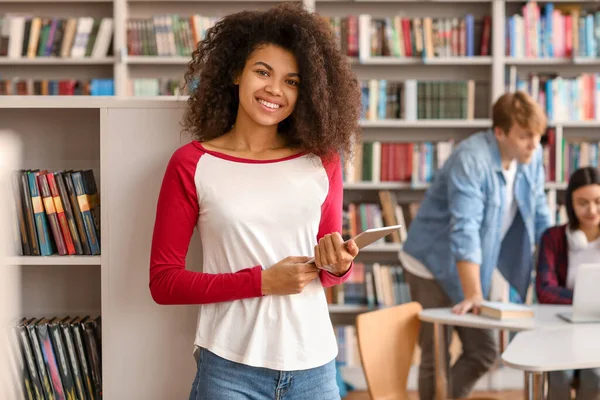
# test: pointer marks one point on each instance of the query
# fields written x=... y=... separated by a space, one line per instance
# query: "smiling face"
x=268 y=85
x=586 y=205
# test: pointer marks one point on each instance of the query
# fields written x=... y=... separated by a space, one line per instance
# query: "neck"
x=505 y=157
x=247 y=135
x=591 y=233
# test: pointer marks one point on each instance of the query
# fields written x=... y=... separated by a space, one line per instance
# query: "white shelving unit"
x=57 y=260
x=127 y=142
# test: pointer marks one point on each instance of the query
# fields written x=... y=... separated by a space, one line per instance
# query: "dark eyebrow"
x=267 y=66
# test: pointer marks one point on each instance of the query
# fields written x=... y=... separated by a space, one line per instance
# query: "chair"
x=387 y=339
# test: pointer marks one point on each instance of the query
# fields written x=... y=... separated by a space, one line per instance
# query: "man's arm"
x=466 y=205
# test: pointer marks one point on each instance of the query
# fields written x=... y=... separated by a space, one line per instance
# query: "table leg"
x=439 y=339
x=535 y=385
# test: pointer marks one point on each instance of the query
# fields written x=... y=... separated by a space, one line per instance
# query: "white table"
x=537 y=352
x=544 y=316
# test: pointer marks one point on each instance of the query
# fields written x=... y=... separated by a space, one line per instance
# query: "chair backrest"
x=386 y=341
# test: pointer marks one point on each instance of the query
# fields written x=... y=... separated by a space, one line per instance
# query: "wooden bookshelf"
x=127 y=143
x=128 y=140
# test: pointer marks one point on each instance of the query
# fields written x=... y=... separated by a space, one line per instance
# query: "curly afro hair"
x=327 y=112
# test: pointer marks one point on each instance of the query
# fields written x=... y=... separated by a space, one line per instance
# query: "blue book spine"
x=86 y=214
x=41 y=223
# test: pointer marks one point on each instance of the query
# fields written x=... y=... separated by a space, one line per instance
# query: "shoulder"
x=186 y=156
x=554 y=234
x=472 y=152
x=331 y=160
x=332 y=164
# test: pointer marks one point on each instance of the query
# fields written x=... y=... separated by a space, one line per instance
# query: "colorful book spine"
x=41 y=223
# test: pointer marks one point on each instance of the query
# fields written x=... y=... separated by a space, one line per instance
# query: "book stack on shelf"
x=413 y=162
x=425 y=37
x=57 y=213
x=169 y=36
x=27 y=37
x=37 y=36
x=56 y=358
x=371 y=285
x=412 y=100
x=363 y=215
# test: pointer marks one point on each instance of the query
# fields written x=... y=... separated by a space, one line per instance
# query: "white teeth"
x=267 y=104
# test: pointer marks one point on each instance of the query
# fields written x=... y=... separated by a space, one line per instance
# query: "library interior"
x=130 y=270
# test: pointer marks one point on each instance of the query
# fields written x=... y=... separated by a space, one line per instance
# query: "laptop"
x=586 y=302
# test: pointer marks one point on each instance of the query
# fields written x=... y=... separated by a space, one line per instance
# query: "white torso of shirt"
x=257 y=214
x=577 y=257
x=415 y=267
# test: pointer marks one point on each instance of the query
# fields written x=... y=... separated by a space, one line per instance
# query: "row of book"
x=56 y=358
x=166 y=35
x=157 y=87
x=562 y=98
x=373 y=285
x=577 y=154
x=377 y=161
x=399 y=36
x=24 y=35
x=553 y=30
x=56 y=212
x=56 y=87
x=360 y=216
x=348 y=354
x=426 y=37
x=415 y=99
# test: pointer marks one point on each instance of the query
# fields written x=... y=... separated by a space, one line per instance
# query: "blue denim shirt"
x=461 y=217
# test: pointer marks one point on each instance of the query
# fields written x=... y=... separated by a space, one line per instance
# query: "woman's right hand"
x=288 y=276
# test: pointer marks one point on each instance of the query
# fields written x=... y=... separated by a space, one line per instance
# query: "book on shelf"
x=348 y=353
x=371 y=285
x=417 y=99
x=500 y=310
x=157 y=87
x=358 y=217
x=56 y=358
x=414 y=163
x=56 y=213
x=553 y=30
x=562 y=98
x=32 y=36
x=366 y=36
x=563 y=157
x=166 y=35
x=56 y=87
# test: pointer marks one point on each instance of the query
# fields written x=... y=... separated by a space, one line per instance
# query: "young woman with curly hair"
x=274 y=110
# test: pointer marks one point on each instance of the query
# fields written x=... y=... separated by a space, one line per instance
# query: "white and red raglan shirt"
x=250 y=214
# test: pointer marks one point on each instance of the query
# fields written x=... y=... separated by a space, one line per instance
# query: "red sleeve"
x=548 y=288
x=331 y=215
x=176 y=216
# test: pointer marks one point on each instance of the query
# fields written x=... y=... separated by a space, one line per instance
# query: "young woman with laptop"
x=563 y=250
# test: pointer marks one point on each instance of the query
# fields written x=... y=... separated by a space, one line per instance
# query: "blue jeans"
x=221 y=379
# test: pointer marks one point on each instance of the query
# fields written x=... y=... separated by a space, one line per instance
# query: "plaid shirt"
x=553 y=262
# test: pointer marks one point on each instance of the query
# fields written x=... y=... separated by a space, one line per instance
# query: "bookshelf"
x=128 y=166
x=88 y=132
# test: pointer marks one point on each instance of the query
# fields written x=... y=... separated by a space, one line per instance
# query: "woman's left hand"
x=333 y=255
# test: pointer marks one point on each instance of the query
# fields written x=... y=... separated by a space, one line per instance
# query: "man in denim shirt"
x=485 y=209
